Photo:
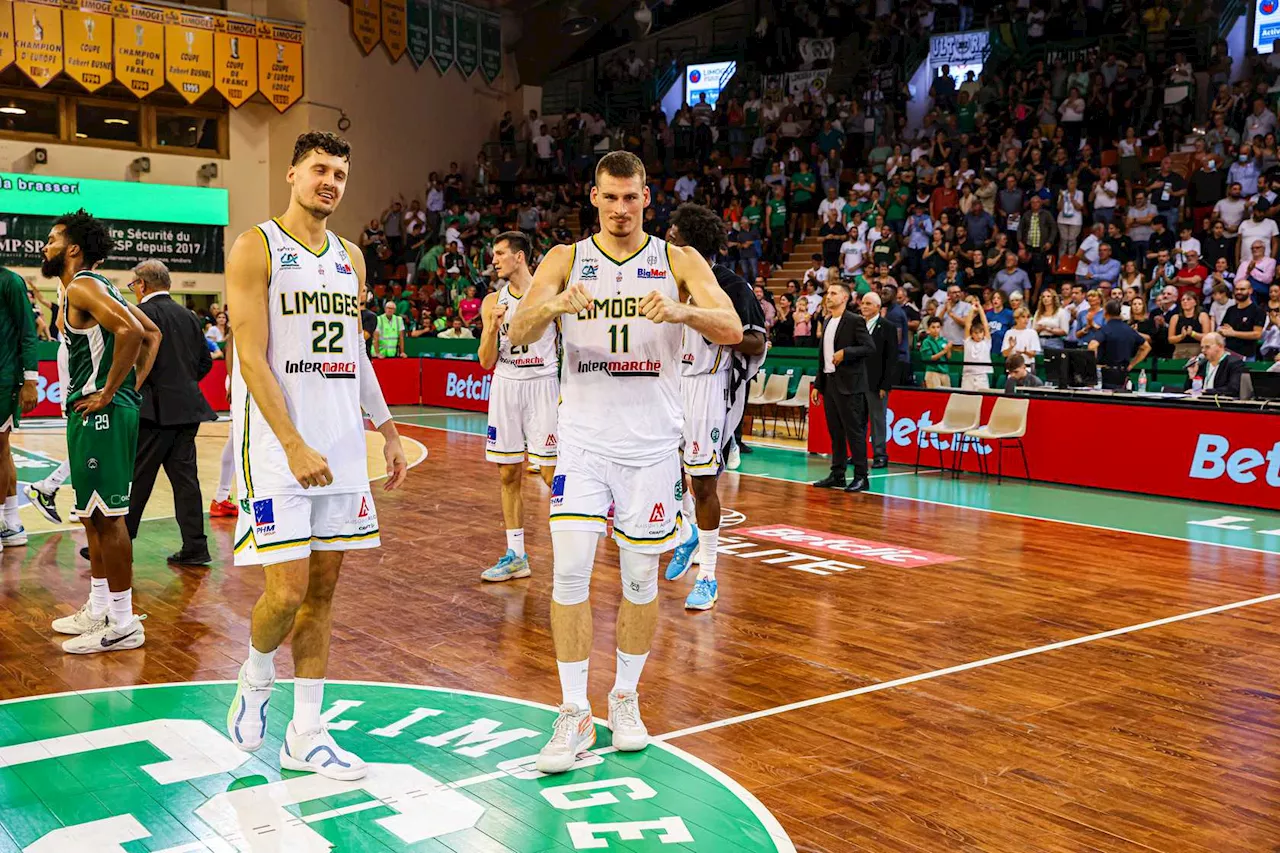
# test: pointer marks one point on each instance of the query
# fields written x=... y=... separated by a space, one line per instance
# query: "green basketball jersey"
x=89 y=356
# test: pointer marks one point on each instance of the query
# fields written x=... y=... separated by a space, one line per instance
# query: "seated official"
x=1119 y=347
x=1018 y=376
x=1220 y=368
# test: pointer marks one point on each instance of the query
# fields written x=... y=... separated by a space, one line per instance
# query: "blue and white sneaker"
x=11 y=537
x=704 y=595
x=247 y=716
x=682 y=557
x=509 y=568
x=316 y=752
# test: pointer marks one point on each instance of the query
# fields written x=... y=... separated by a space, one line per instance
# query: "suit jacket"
x=1226 y=382
x=171 y=396
x=882 y=364
x=850 y=376
x=1048 y=229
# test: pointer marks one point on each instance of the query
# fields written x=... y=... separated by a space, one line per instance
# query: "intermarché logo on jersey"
x=327 y=369
x=154 y=770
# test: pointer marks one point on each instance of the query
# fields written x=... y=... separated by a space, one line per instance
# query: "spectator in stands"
x=1104 y=194
x=776 y=226
x=1168 y=189
x=1220 y=369
x=975 y=375
x=1246 y=170
x=1243 y=322
x=1231 y=211
x=934 y=351
x=388 y=337
x=1131 y=277
x=952 y=313
x=457 y=331
x=392 y=220
x=1070 y=216
x=1051 y=321
x=1193 y=274
x=999 y=320
x=1161 y=240
x=770 y=313
x=1259 y=269
x=833 y=235
x=1012 y=279
x=1269 y=345
x=1219 y=302
x=1088 y=318
x=1163 y=271
x=1139 y=219
x=1106 y=271
x=1188 y=326
x=1037 y=232
x=802 y=323
x=1017 y=375
x=1021 y=338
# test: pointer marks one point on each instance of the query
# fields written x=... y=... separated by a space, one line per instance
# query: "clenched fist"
x=575 y=299
x=661 y=308
x=497 y=313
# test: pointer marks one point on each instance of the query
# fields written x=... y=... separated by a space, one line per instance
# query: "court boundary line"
x=933 y=502
x=964 y=667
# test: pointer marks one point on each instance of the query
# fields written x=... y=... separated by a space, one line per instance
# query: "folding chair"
x=1008 y=423
x=798 y=403
x=962 y=414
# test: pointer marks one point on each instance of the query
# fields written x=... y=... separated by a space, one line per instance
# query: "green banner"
x=182 y=248
x=44 y=195
x=419 y=32
x=490 y=46
x=443 y=26
x=468 y=42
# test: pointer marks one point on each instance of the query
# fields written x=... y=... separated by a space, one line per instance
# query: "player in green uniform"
x=18 y=375
x=111 y=346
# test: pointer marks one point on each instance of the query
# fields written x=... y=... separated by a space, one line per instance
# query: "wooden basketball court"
x=881 y=673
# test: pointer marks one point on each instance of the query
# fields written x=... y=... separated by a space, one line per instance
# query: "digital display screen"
x=709 y=78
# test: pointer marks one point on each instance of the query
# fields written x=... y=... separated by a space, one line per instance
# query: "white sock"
x=515 y=541
x=226 y=474
x=573 y=683
x=99 y=596
x=708 y=542
x=54 y=481
x=261 y=666
x=11 y=518
x=308 y=697
x=120 y=608
x=629 y=669
x=687 y=517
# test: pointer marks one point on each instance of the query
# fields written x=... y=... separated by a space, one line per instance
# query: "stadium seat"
x=1008 y=423
x=1110 y=158
x=962 y=414
x=1066 y=265
x=775 y=391
x=797 y=404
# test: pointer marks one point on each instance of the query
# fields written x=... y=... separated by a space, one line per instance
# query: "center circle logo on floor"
x=443 y=764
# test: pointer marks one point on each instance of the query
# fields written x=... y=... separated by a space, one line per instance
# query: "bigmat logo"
x=847 y=546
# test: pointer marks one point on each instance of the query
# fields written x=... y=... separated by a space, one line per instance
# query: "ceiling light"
x=13 y=110
x=115 y=121
x=82 y=135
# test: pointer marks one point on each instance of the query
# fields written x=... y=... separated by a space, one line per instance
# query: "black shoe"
x=191 y=558
x=84 y=552
x=831 y=481
x=858 y=485
x=880 y=463
x=745 y=448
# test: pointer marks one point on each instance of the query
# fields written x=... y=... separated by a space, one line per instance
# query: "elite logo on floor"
x=152 y=768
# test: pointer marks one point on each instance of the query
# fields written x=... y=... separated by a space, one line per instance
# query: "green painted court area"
x=152 y=769
x=1191 y=521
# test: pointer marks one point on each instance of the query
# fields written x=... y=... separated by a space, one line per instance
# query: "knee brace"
x=639 y=576
x=575 y=554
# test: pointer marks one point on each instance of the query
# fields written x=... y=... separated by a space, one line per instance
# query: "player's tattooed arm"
x=548 y=297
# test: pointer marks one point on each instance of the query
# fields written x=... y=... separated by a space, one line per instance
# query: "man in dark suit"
x=880 y=374
x=843 y=349
x=173 y=408
x=1220 y=368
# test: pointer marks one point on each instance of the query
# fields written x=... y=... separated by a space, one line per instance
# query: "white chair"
x=962 y=414
x=798 y=403
x=1008 y=423
x=775 y=391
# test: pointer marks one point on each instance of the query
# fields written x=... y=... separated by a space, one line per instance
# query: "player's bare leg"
x=706 y=498
x=514 y=563
x=110 y=558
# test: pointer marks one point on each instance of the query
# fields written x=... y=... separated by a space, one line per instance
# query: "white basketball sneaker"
x=629 y=733
x=316 y=752
x=104 y=636
x=574 y=733
x=77 y=623
x=247 y=716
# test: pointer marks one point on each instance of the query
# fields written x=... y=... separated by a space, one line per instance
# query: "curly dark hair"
x=320 y=140
x=90 y=234
x=700 y=228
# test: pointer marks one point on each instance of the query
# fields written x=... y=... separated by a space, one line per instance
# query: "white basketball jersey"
x=313 y=349
x=620 y=387
x=699 y=358
x=535 y=361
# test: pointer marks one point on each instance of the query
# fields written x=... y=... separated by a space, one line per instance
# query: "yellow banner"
x=139 y=48
x=37 y=39
x=280 y=64
x=366 y=23
x=395 y=28
x=235 y=59
x=6 y=34
x=86 y=43
x=188 y=52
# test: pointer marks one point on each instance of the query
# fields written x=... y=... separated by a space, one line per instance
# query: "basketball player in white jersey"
x=621 y=300
x=706 y=381
x=522 y=399
x=221 y=505
x=299 y=380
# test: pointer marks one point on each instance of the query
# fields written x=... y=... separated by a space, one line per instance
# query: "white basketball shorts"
x=706 y=407
x=646 y=499
x=289 y=527
x=522 y=418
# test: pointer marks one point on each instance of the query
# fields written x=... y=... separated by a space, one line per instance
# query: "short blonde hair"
x=1022 y=312
x=621 y=164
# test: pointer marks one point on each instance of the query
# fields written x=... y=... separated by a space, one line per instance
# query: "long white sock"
x=120 y=608
x=308 y=697
x=687 y=511
x=573 y=683
x=708 y=543
x=515 y=541
x=12 y=519
x=629 y=669
x=55 y=480
x=226 y=473
x=261 y=666
x=99 y=596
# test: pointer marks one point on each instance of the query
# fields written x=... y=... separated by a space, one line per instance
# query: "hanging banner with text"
x=817 y=50
x=235 y=59
x=86 y=44
x=468 y=40
x=394 y=28
x=443 y=48
x=139 y=47
x=280 y=64
x=419 y=13
x=366 y=24
x=490 y=46
x=37 y=38
x=182 y=248
x=188 y=46
x=6 y=34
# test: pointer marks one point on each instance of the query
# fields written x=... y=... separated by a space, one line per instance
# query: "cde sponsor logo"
x=327 y=369
x=467 y=387
x=1214 y=458
x=289 y=260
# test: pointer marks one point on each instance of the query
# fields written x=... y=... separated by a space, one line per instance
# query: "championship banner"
x=37 y=38
x=443 y=50
x=419 y=13
x=467 y=41
x=280 y=64
x=235 y=59
x=139 y=48
x=490 y=46
x=188 y=46
x=817 y=50
x=183 y=248
x=395 y=36
x=86 y=44
x=6 y=34
x=366 y=24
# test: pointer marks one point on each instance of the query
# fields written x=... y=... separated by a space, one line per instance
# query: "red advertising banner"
x=49 y=391
x=1222 y=456
x=399 y=379
x=455 y=384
